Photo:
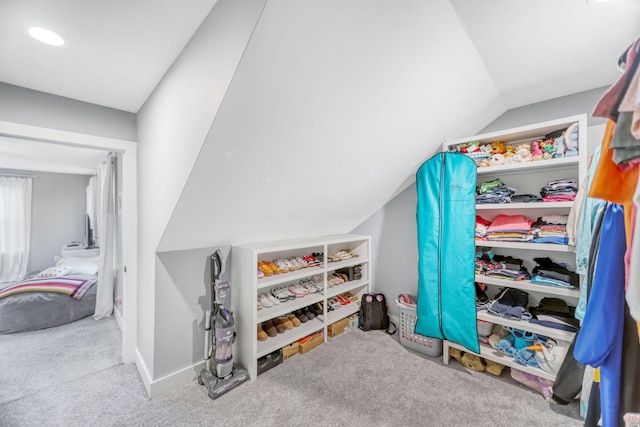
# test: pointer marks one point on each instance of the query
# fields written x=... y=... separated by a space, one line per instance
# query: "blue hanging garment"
x=599 y=341
x=446 y=215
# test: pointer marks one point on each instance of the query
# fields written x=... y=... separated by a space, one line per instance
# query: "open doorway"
x=127 y=204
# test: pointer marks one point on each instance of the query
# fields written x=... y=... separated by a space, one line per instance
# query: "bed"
x=56 y=296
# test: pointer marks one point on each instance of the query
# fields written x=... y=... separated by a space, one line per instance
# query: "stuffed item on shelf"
x=511 y=150
x=559 y=147
x=537 y=152
x=516 y=158
x=571 y=140
x=494 y=368
x=471 y=147
x=524 y=150
x=496 y=160
x=473 y=362
x=483 y=163
x=498 y=147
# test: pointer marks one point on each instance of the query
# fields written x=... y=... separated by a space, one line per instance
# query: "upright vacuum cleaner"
x=220 y=374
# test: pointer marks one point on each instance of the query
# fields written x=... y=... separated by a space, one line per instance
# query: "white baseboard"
x=118 y=316
x=169 y=382
x=177 y=379
x=144 y=372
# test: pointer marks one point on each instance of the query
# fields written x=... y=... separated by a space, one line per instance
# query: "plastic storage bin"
x=408 y=338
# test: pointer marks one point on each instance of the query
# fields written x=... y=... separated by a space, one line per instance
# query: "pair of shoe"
x=268 y=268
x=283 y=295
x=316 y=309
x=298 y=290
x=342 y=255
x=336 y=278
x=312 y=285
x=267 y=300
x=334 y=303
x=304 y=314
x=343 y=300
x=290 y=264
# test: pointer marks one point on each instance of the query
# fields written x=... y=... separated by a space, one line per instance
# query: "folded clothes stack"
x=510 y=228
x=550 y=229
x=503 y=267
x=547 y=272
x=482 y=225
x=560 y=190
x=494 y=192
x=525 y=198
x=555 y=313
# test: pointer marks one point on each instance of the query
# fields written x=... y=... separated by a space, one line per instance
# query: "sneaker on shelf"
x=284 y=268
x=274 y=300
x=294 y=263
x=260 y=274
x=279 y=293
x=262 y=299
x=264 y=267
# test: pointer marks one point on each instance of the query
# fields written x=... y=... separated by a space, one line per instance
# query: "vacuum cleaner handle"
x=216 y=266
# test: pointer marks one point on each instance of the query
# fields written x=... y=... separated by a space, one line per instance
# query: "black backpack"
x=373 y=313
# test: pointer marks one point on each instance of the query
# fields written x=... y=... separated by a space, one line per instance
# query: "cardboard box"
x=338 y=327
x=316 y=340
x=290 y=350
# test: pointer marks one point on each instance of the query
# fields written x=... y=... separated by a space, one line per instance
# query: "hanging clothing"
x=599 y=341
x=608 y=105
x=633 y=283
x=612 y=184
x=446 y=219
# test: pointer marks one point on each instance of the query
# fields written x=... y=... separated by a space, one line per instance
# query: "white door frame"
x=128 y=149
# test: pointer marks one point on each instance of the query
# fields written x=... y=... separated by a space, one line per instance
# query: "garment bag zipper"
x=440 y=247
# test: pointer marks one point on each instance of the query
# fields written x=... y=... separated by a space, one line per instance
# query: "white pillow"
x=54 y=272
x=80 y=265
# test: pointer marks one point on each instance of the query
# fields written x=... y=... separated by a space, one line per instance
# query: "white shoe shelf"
x=527 y=178
x=247 y=287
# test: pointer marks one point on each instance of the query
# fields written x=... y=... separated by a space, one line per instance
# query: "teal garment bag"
x=446 y=212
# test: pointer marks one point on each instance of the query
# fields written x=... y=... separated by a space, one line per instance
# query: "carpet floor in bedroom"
x=72 y=376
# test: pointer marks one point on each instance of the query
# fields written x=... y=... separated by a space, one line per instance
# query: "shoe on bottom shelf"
x=262 y=335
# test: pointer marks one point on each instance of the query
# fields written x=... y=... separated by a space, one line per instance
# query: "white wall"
x=172 y=126
x=333 y=104
x=57 y=214
x=30 y=107
x=393 y=228
x=564 y=106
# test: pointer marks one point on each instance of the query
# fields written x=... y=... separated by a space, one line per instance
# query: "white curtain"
x=92 y=195
x=105 y=224
x=15 y=227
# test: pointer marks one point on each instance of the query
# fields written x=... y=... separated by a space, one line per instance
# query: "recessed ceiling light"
x=46 y=36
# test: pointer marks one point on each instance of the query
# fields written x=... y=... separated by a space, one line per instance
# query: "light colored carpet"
x=357 y=379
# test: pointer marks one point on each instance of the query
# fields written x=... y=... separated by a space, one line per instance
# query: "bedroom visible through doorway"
x=126 y=198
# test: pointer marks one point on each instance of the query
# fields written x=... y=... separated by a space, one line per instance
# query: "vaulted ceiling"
x=333 y=104
x=117 y=51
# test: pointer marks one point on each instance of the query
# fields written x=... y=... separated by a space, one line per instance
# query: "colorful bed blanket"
x=75 y=287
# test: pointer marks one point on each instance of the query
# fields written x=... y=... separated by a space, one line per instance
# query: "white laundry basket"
x=408 y=338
